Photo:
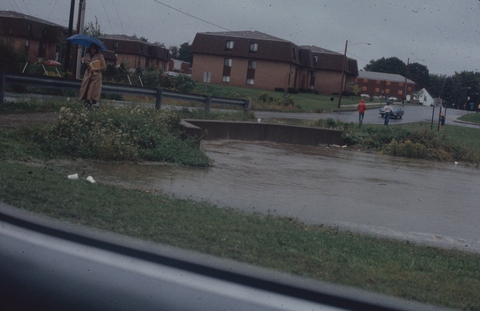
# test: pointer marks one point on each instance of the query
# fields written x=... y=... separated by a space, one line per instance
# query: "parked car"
x=396 y=113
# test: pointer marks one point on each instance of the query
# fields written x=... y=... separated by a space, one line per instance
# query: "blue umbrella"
x=86 y=40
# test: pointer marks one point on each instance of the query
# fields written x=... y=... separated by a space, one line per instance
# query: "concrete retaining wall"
x=213 y=130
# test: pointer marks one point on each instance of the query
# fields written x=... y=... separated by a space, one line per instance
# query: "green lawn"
x=425 y=274
x=303 y=101
x=471 y=117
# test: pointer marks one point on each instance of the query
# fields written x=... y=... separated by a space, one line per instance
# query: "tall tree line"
x=455 y=90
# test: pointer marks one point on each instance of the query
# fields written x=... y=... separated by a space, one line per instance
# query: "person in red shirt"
x=361 y=110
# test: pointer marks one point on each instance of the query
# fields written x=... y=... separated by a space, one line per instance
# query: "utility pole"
x=344 y=60
x=406 y=74
x=69 y=44
x=79 y=50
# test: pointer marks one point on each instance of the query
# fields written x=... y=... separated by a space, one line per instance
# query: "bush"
x=406 y=149
x=292 y=90
x=279 y=89
x=11 y=61
x=121 y=134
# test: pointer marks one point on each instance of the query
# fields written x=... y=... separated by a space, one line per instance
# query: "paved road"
x=412 y=114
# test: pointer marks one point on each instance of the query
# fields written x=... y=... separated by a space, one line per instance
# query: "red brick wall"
x=268 y=75
x=392 y=89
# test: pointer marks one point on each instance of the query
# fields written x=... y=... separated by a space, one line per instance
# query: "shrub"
x=406 y=149
x=279 y=89
x=121 y=134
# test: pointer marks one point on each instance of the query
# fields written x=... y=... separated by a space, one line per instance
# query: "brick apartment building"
x=35 y=37
x=258 y=60
x=136 y=53
x=384 y=84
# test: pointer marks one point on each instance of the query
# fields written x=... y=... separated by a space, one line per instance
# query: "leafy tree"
x=419 y=74
x=11 y=60
x=93 y=29
x=185 y=54
x=173 y=51
x=184 y=83
x=387 y=65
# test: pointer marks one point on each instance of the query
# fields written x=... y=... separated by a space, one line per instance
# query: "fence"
x=159 y=94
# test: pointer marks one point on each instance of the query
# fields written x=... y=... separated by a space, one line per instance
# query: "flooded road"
x=419 y=201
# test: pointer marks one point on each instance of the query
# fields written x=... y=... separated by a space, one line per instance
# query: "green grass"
x=424 y=274
x=307 y=102
x=471 y=117
x=441 y=277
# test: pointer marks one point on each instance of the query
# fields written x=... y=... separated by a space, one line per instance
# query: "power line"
x=108 y=18
x=13 y=6
x=48 y=18
x=119 y=19
x=28 y=11
x=190 y=15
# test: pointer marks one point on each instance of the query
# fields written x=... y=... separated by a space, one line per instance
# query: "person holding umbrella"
x=91 y=87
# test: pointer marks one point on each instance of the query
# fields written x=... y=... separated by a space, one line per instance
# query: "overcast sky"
x=440 y=34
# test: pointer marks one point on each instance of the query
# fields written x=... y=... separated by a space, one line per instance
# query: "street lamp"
x=344 y=61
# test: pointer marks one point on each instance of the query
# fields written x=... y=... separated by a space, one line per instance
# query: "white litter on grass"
x=456 y=163
x=73 y=176
x=91 y=180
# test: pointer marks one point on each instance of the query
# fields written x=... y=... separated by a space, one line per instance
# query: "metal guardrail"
x=159 y=94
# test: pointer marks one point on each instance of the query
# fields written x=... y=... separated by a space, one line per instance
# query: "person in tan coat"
x=91 y=87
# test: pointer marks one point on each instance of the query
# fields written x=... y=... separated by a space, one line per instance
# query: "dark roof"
x=124 y=44
x=269 y=47
x=248 y=34
x=16 y=15
x=330 y=60
x=26 y=26
x=371 y=75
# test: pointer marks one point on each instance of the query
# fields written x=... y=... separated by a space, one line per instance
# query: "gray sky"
x=440 y=34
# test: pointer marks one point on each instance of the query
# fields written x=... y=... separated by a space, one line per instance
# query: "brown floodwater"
x=408 y=199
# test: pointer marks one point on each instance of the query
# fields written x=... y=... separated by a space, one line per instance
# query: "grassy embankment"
x=441 y=277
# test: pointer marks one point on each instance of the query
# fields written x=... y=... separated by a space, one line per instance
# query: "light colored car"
x=396 y=113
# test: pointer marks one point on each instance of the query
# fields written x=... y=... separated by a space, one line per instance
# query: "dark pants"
x=387 y=118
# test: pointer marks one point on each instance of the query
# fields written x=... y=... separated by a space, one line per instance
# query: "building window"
x=388 y=82
x=229 y=45
x=226 y=79
x=45 y=30
x=400 y=92
x=365 y=80
x=253 y=47
x=315 y=59
x=387 y=91
x=364 y=88
x=377 y=90
x=227 y=62
x=252 y=64
x=400 y=83
x=378 y=81
x=27 y=43
x=29 y=27
x=115 y=45
x=250 y=81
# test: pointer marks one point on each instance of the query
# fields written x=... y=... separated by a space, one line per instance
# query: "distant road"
x=412 y=114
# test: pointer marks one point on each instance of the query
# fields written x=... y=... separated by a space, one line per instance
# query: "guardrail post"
x=246 y=107
x=208 y=101
x=2 y=86
x=158 y=102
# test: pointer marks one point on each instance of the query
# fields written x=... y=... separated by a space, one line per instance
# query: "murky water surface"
x=416 y=200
